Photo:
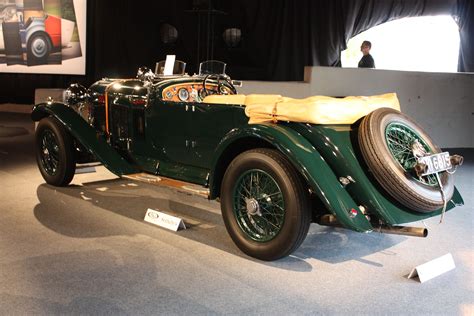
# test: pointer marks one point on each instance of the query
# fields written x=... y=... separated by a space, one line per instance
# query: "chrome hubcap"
x=39 y=48
x=417 y=149
x=253 y=208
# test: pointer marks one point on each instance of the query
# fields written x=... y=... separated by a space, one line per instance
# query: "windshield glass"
x=212 y=67
x=178 y=68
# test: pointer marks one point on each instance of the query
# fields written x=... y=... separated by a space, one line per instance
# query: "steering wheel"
x=223 y=82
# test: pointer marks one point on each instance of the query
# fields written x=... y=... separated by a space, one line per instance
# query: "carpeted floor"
x=85 y=249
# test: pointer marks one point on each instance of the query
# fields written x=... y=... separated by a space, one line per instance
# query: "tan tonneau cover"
x=316 y=110
x=225 y=99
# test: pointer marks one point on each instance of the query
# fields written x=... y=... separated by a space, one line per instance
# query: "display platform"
x=86 y=249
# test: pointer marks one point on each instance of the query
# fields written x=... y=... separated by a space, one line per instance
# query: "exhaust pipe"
x=404 y=230
x=331 y=220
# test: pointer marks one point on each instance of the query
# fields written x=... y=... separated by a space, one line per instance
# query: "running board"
x=186 y=187
x=87 y=167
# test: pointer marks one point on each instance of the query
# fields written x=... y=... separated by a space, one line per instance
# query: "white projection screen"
x=43 y=36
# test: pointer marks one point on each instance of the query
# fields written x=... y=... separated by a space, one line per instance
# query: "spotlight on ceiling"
x=168 y=34
x=232 y=37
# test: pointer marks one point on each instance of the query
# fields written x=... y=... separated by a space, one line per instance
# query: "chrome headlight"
x=145 y=74
x=76 y=93
x=77 y=97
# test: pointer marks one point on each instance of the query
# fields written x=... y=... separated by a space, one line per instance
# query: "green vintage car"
x=273 y=178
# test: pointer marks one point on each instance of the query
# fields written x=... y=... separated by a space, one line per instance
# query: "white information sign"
x=433 y=268
x=169 y=65
x=164 y=220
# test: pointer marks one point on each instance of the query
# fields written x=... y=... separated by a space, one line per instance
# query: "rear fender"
x=306 y=159
x=335 y=144
x=85 y=134
x=36 y=25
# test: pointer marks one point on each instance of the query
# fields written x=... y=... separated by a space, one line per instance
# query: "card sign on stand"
x=169 y=65
x=164 y=220
x=433 y=268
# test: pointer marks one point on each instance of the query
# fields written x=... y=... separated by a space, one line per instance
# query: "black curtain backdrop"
x=279 y=37
x=464 y=12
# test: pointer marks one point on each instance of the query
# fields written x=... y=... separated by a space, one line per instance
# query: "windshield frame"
x=179 y=68
x=212 y=67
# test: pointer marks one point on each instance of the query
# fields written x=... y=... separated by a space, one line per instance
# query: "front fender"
x=306 y=159
x=85 y=134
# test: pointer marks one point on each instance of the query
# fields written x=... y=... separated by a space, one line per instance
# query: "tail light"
x=352 y=213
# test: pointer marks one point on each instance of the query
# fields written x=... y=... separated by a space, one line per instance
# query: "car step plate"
x=186 y=187
x=436 y=163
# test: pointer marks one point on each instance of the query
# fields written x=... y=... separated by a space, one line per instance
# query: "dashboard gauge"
x=169 y=95
x=183 y=94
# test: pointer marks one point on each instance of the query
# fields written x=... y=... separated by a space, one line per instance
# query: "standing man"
x=366 y=61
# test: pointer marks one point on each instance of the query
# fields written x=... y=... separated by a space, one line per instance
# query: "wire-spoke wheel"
x=388 y=140
x=49 y=152
x=264 y=204
x=259 y=206
x=400 y=139
x=54 y=152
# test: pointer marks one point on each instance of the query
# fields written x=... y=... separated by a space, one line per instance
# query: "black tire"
x=54 y=152
x=419 y=194
x=38 y=48
x=293 y=219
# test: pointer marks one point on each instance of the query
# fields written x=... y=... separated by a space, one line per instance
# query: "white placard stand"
x=169 y=65
x=433 y=268
x=164 y=220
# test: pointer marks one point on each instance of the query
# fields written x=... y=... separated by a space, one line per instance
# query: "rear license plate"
x=436 y=163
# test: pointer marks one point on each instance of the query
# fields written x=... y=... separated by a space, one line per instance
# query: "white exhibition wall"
x=442 y=103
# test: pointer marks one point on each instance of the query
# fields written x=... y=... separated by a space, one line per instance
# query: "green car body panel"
x=339 y=148
x=308 y=162
x=86 y=135
x=195 y=142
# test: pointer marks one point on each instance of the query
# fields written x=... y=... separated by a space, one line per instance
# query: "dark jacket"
x=367 y=62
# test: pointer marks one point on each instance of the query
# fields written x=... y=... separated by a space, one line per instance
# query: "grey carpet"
x=85 y=249
x=6 y=131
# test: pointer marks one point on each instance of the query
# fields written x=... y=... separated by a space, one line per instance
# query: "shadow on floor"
x=335 y=245
x=78 y=211
x=7 y=131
